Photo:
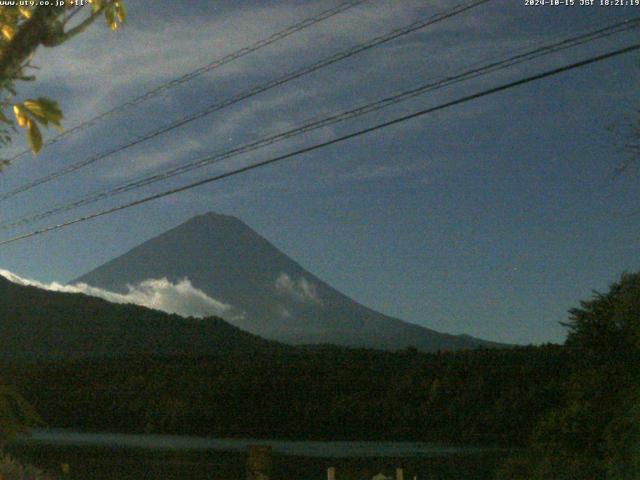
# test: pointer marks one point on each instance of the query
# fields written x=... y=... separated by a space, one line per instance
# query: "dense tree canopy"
x=596 y=433
x=575 y=407
x=480 y=396
x=15 y=414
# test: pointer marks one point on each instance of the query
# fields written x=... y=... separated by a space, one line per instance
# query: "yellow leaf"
x=35 y=137
x=34 y=107
x=25 y=12
x=121 y=12
x=44 y=110
x=21 y=117
x=110 y=18
x=8 y=32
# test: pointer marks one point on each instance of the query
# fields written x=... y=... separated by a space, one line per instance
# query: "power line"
x=307 y=22
x=333 y=119
x=394 y=34
x=334 y=141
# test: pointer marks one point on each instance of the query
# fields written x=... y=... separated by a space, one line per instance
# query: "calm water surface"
x=297 y=448
x=99 y=456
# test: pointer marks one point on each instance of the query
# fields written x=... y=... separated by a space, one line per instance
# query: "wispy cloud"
x=301 y=290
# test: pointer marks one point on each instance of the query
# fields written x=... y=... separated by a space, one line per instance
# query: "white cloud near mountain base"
x=181 y=298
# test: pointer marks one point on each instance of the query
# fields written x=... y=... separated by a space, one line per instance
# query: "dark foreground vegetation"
x=595 y=432
x=573 y=410
x=11 y=469
x=331 y=393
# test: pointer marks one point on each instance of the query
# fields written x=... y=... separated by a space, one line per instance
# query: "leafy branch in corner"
x=22 y=30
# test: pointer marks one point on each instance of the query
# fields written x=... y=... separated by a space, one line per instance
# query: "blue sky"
x=491 y=218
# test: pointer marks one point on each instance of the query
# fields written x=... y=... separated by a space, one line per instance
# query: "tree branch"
x=81 y=27
x=33 y=32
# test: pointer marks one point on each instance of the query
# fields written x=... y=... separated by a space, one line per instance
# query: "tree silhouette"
x=16 y=414
x=596 y=434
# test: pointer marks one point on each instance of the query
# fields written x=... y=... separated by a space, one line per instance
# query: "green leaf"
x=36 y=110
x=44 y=111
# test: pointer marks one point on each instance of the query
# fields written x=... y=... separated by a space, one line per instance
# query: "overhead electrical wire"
x=282 y=34
x=491 y=67
x=336 y=140
x=392 y=35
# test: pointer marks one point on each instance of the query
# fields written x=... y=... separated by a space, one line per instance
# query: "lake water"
x=297 y=448
x=101 y=456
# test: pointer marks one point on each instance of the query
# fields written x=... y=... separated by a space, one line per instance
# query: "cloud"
x=181 y=298
x=301 y=290
x=144 y=59
x=384 y=171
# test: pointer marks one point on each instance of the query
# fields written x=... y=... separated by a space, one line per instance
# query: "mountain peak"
x=215 y=216
x=211 y=222
x=278 y=299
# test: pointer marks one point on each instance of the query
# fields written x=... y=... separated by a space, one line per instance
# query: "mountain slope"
x=280 y=300
x=38 y=324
